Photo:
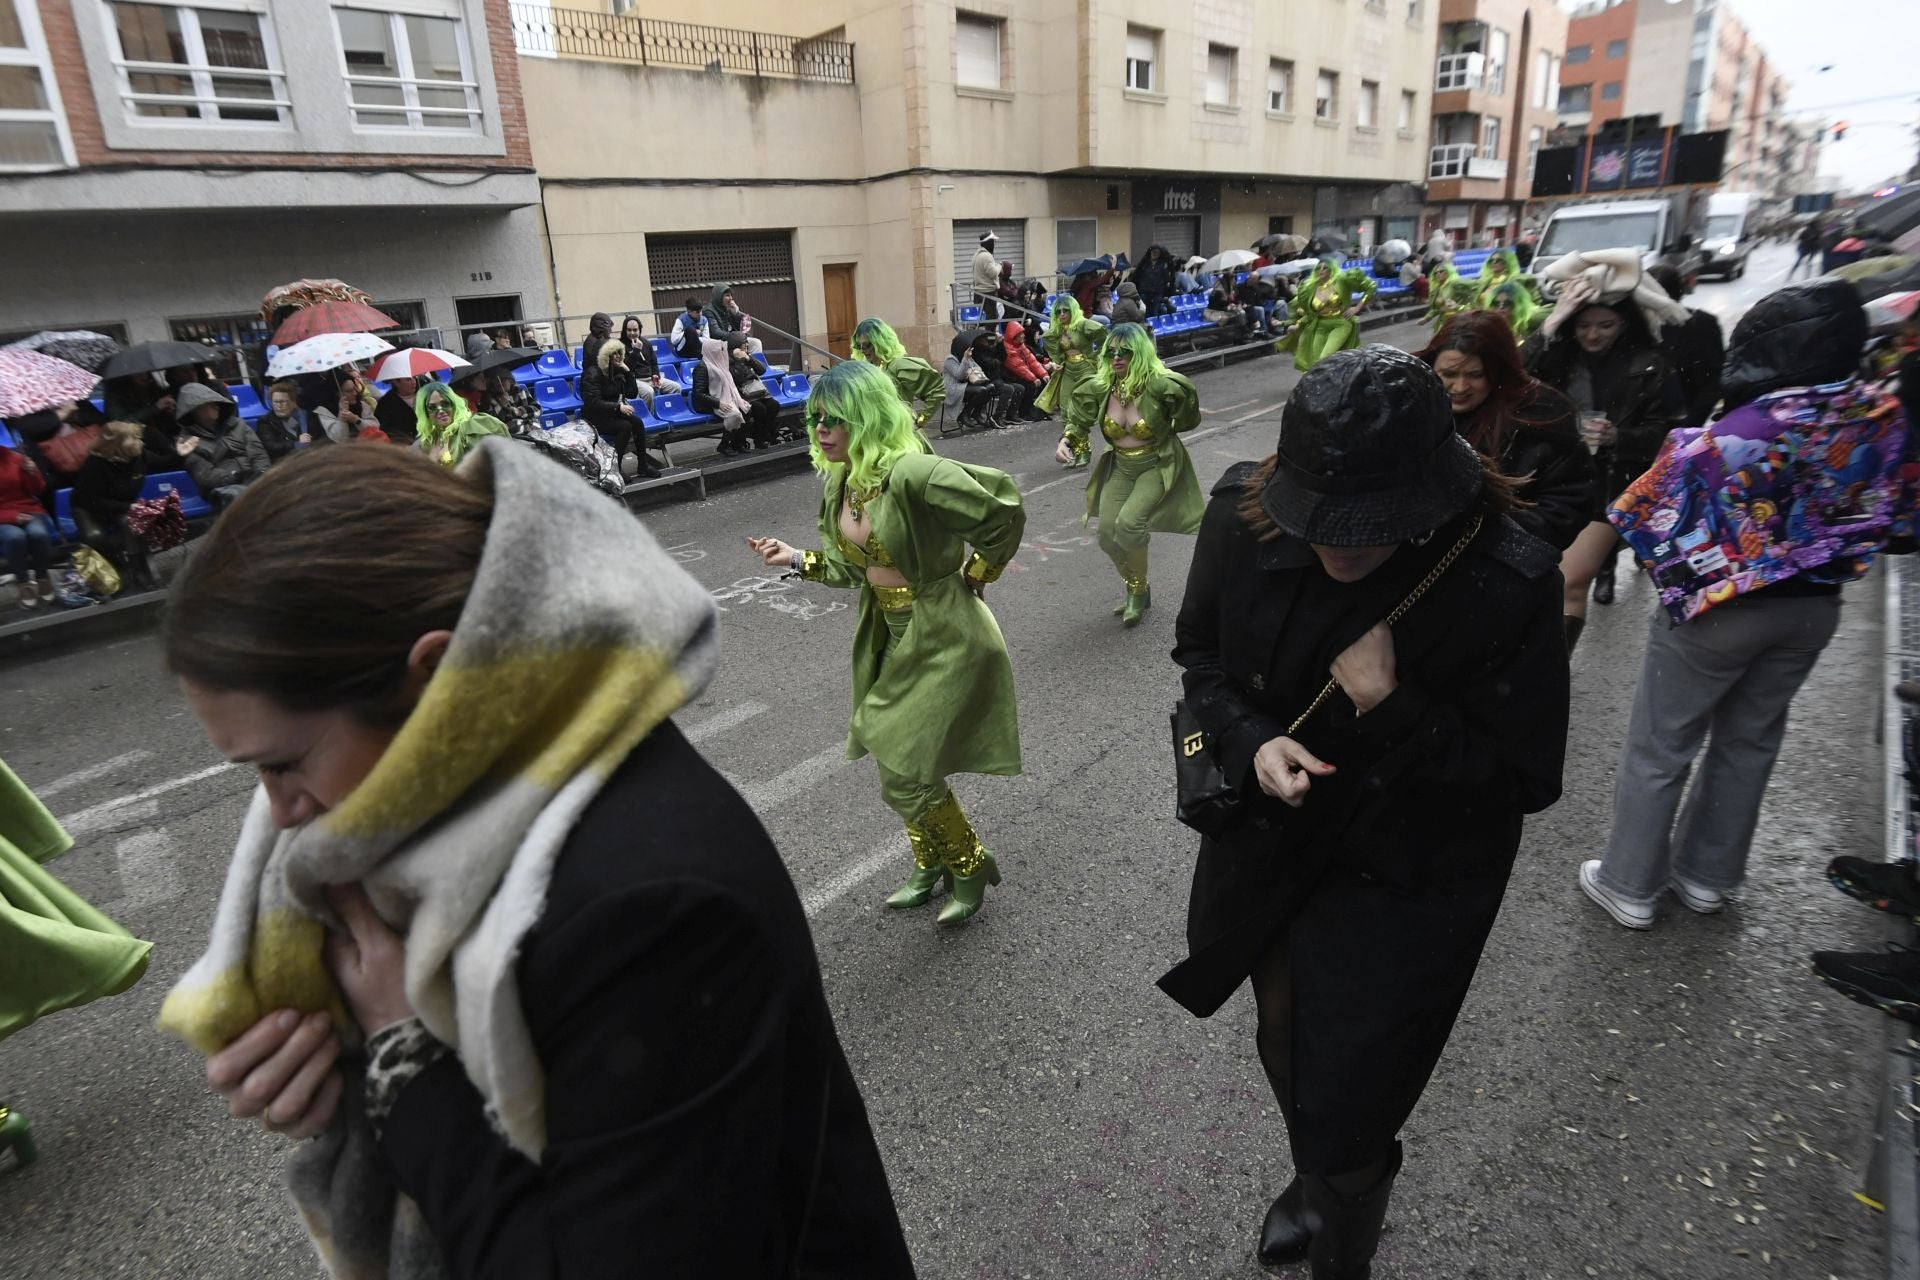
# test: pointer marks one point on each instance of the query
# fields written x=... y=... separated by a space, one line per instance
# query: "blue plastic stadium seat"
x=192 y=505
x=663 y=351
x=63 y=513
x=6 y=437
x=674 y=411
x=792 y=389
x=555 y=395
x=556 y=364
x=557 y=418
x=528 y=373
x=1469 y=261
x=99 y=404
x=971 y=314
x=247 y=400
x=379 y=388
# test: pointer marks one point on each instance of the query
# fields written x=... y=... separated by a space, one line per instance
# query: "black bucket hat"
x=1368 y=455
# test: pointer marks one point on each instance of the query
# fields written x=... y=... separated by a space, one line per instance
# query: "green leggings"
x=1128 y=499
x=940 y=833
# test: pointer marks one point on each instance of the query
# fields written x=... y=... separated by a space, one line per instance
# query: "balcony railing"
x=542 y=30
x=1459 y=71
x=1462 y=160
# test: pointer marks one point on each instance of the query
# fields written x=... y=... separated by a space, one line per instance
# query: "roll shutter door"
x=1180 y=235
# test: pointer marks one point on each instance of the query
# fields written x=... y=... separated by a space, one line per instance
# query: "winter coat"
x=281 y=436
x=397 y=417
x=21 y=485
x=1128 y=309
x=1695 y=350
x=1644 y=401
x=723 y=322
x=669 y=920
x=688 y=330
x=1154 y=276
x=106 y=488
x=601 y=390
x=1554 y=468
x=642 y=363
x=229 y=454
x=1021 y=363
x=986 y=272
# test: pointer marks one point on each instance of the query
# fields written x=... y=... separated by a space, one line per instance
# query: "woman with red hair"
x=1518 y=421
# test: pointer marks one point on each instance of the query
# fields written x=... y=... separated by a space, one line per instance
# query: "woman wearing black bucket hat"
x=1375 y=653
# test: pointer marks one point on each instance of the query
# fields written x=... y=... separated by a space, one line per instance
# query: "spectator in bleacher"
x=219 y=451
x=606 y=389
x=286 y=427
x=470 y=383
x=1128 y=308
x=643 y=363
x=1033 y=296
x=689 y=329
x=1103 y=303
x=1154 y=279
x=1186 y=280
x=1024 y=366
x=599 y=329
x=968 y=385
x=749 y=372
x=342 y=402
x=26 y=534
x=1222 y=310
x=986 y=276
x=714 y=392
x=137 y=398
x=445 y=429
x=1008 y=291
x=1085 y=287
x=920 y=385
x=509 y=400
x=726 y=323
x=57 y=439
x=504 y=340
x=1260 y=297
x=394 y=411
x=106 y=487
x=1695 y=349
x=1011 y=396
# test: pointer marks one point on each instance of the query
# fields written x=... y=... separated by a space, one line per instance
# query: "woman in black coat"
x=108 y=485
x=606 y=390
x=1603 y=357
x=1524 y=425
x=1380 y=813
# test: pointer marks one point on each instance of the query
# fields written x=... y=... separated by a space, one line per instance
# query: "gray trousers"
x=1727 y=676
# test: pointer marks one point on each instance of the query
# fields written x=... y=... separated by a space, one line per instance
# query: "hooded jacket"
x=1127 y=308
x=1799 y=336
x=603 y=385
x=723 y=322
x=1020 y=361
x=229 y=453
x=1154 y=275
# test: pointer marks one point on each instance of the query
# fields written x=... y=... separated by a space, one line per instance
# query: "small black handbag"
x=1203 y=798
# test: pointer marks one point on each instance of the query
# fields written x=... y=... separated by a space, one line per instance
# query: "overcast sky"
x=1873 y=48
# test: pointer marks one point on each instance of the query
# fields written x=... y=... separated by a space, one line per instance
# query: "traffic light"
x=1839 y=130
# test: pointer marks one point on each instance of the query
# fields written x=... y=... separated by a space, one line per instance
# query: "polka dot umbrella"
x=31 y=381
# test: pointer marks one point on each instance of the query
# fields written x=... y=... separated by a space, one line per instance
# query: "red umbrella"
x=30 y=381
x=415 y=362
x=331 y=317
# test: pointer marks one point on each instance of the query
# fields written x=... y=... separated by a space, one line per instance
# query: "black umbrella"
x=1891 y=217
x=505 y=358
x=145 y=357
x=83 y=347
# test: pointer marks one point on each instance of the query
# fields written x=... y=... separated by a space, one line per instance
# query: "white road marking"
x=88 y=774
x=891 y=850
x=110 y=812
x=1042 y=488
x=148 y=871
x=1248 y=417
x=718 y=723
x=1226 y=408
x=796 y=780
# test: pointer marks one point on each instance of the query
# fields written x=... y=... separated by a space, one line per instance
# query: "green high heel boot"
x=919 y=887
x=1146 y=602
x=970 y=891
x=1135 y=608
x=16 y=1137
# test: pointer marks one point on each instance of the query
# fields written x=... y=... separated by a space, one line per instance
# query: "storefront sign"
x=1176 y=197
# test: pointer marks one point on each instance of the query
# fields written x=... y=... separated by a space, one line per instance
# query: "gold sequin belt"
x=891 y=599
x=1136 y=453
x=1075 y=357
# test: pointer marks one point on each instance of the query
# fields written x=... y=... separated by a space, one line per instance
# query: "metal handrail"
x=557 y=327
x=542 y=29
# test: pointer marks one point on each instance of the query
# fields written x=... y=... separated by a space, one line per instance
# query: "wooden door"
x=842 y=311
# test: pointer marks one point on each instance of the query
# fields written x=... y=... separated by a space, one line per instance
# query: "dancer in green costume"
x=1322 y=315
x=55 y=950
x=1445 y=301
x=920 y=385
x=1512 y=300
x=1145 y=482
x=1073 y=343
x=447 y=429
x=932 y=685
x=1503 y=267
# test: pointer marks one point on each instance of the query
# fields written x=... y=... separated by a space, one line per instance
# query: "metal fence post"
x=756 y=54
x=641 y=23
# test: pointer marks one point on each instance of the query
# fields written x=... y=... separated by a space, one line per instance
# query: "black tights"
x=1273 y=996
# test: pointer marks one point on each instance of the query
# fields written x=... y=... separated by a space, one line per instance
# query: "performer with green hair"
x=1073 y=344
x=446 y=429
x=1145 y=482
x=920 y=385
x=1449 y=297
x=1512 y=300
x=932 y=685
x=1321 y=319
x=1503 y=267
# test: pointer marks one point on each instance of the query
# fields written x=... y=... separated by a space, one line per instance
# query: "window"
x=976 y=48
x=209 y=65
x=1576 y=99
x=1408 y=103
x=32 y=128
x=1535 y=136
x=1497 y=62
x=1543 y=93
x=1279 y=224
x=1279 y=86
x=406 y=71
x=1223 y=65
x=1579 y=53
x=1143 y=50
x=1326 y=96
x=1490 y=138
x=236 y=345
x=1610 y=92
x=1616 y=49
x=1073 y=239
x=1369 y=104
x=485 y=315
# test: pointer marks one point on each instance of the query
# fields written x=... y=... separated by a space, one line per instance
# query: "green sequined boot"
x=970 y=891
x=17 y=1138
x=919 y=887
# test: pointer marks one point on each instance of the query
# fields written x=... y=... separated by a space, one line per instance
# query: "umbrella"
x=305 y=293
x=331 y=317
x=1229 y=260
x=1887 y=314
x=1891 y=217
x=1299 y=266
x=145 y=357
x=506 y=358
x=1121 y=264
x=411 y=362
x=1195 y=261
x=1088 y=266
x=75 y=346
x=326 y=351
x=31 y=381
x=1281 y=244
x=1393 y=252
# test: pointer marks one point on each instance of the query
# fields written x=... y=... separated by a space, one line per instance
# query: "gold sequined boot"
x=953 y=840
x=1139 y=594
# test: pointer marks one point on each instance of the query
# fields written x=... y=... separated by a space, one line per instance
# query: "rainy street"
x=1685 y=1103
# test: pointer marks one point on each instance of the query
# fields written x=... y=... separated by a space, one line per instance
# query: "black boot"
x=1603 y=582
x=1574 y=627
x=1285 y=1236
x=1346 y=1229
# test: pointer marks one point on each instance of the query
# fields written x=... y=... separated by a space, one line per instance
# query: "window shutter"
x=977 y=49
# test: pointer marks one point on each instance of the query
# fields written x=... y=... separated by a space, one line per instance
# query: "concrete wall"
x=1657 y=68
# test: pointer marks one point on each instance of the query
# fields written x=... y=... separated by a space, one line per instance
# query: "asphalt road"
x=1689 y=1102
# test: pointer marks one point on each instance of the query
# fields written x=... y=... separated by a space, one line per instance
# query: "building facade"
x=1495 y=94
x=169 y=163
x=844 y=161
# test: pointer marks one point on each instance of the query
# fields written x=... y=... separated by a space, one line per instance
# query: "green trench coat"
x=1169 y=406
x=920 y=385
x=1316 y=334
x=941 y=701
x=1085 y=340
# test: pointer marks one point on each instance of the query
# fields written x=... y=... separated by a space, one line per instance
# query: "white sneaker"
x=1634 y=915
x=1696 y=898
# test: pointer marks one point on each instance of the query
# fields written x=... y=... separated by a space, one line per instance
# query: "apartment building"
x=844 y=159
x=1495 y=98
x=166 y=164
x=1689 y=62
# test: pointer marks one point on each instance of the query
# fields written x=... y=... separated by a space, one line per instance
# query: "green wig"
x=1506 y=260
x=1438 y=277
x=1523 y=313
x=1066 y=314
x=879 y=426
x=423 y=425
x=1135 y=342
x=878 y=334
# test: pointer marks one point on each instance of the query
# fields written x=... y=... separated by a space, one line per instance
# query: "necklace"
x=857 y=500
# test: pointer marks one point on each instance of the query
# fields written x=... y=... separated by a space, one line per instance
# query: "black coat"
x=281 y=436
x=104 y=489
x=701 y=1117
x=601 y=390
x=1696 y=352
x=642 y=363
x=1384 y=883
x=1543 y=451
x=1643 y=400
x=397 y=417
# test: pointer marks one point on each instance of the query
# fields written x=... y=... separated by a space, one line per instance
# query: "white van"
x=1727 y=236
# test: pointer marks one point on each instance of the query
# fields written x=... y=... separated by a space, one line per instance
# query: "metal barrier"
x=579 y=33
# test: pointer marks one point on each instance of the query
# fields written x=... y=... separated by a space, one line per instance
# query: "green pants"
x=939 y=831
x=1133 y=491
